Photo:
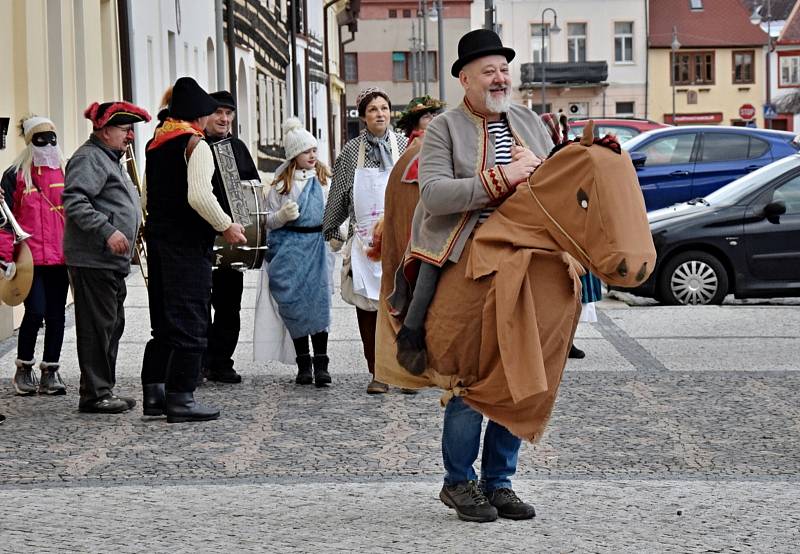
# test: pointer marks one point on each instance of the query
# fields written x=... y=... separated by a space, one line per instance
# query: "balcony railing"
x=565 y=73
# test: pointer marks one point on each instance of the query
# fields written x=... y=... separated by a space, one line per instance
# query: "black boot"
x=182 y=372
x=411 y=353
x=321 y=376
x=154 y=398
x=303 y=370
x=576 y=353
x=181 y=407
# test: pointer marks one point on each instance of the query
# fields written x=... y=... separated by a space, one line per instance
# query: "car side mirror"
x=638 y=159
x=774 y=210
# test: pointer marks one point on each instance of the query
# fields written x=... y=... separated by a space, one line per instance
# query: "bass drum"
x=250 y=255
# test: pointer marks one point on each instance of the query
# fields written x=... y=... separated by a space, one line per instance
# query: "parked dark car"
x=680 y=163
x=623 y=128
x=742 y=239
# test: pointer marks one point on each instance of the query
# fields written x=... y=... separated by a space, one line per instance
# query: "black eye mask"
x=45 y=138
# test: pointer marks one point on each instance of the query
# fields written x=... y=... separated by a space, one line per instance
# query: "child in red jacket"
x=32 y=190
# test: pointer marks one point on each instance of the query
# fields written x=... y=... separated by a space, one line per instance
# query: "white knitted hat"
x=36 y=124
x=296 y=139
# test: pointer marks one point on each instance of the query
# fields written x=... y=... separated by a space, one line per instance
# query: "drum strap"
x=231 y=182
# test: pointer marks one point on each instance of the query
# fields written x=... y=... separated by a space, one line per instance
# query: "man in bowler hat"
x=486 y=131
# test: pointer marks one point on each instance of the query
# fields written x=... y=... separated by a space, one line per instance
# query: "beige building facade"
x=717 y=102
x=58 y=56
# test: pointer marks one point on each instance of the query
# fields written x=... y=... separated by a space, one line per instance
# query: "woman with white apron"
x=357 y=192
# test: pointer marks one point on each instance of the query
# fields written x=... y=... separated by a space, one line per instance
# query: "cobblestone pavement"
x=680 y=432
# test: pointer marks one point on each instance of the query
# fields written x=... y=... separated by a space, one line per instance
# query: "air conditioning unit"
x=578 y=108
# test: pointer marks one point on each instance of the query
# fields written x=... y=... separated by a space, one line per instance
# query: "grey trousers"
x=99 y=322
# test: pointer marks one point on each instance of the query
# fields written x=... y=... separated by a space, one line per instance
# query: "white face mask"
x=46 y=156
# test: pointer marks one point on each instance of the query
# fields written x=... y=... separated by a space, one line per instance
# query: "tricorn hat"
x=115 y=113
x=189 y=100
x=479 y=43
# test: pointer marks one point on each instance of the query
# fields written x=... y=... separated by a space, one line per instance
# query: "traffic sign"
x=747 y=112
x=769 y=111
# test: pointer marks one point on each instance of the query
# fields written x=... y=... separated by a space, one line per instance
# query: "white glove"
x=288 y=212
x=9 y=271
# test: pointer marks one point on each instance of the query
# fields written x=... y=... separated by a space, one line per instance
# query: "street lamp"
x=436 y=14
x=756 y=19
x=674 y=47
x=554 y=29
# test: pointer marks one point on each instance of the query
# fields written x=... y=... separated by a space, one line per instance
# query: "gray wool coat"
x=99 y=198
x=458 y=177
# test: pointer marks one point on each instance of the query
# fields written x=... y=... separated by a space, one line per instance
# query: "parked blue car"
x=679 y=164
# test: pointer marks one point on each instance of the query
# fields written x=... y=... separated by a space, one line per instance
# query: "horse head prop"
x=584 y=200
x=588 y=195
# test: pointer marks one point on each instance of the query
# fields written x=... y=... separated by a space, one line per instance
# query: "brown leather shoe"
x=376 y=387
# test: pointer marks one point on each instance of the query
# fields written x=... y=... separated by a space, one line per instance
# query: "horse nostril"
x=622 y=268
x=642 y=272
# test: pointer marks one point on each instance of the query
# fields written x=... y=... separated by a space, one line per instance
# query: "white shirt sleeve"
x=201 y=197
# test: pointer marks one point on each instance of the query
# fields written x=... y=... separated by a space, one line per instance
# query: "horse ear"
x=588 y=134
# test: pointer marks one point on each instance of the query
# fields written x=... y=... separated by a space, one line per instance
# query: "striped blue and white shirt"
x=503 y=140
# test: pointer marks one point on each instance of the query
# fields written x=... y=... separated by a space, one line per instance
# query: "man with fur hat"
x=103 y=215
x=32 y=190
x=183 y=219
x=505 y=142
x=227 y=283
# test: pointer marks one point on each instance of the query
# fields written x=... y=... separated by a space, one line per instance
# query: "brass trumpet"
x=140 y=245
x=7 y=217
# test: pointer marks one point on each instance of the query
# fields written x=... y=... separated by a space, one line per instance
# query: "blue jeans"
x=461 y=439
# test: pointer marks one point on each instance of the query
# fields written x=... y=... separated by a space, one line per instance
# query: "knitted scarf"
x=381 y=152
x=171 y=129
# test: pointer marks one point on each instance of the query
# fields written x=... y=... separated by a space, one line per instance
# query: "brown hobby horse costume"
x=502 y=319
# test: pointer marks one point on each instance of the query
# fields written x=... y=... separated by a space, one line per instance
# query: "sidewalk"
x=679 y=432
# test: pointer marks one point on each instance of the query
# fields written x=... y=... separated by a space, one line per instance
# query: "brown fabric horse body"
x=502 y=320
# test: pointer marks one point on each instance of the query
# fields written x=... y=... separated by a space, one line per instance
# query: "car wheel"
x=693 y=277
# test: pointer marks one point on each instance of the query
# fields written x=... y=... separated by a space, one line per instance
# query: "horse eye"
x=583 y=199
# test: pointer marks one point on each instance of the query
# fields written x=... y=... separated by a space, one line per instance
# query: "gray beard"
x=498 y=106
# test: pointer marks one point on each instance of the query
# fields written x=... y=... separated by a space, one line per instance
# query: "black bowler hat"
x=224 y=99
x=477 y=44
x=189 y=100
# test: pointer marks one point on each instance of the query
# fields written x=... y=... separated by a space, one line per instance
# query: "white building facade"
x=591 y=33
x=168 y=39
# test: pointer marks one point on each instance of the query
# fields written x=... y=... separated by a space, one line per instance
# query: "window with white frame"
x=262 y=110
x=623 y=41
x=538 y=47
x=576 y=42
x=790 y=71
x=276 y=116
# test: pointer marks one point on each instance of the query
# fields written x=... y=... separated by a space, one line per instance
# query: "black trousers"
x=46 y=302
x=226 y=299
x=179 y=294
x=99 y=322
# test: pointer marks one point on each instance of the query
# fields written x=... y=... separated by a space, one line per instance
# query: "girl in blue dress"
x=298 y=263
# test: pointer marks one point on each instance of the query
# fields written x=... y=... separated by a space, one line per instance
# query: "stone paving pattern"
x=680 y=432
